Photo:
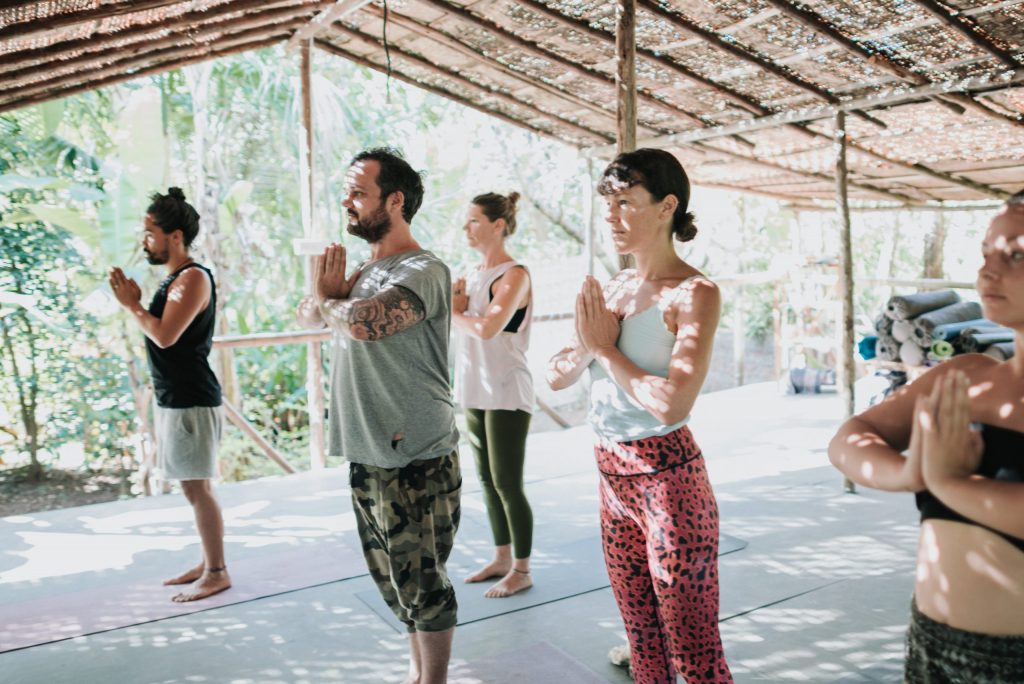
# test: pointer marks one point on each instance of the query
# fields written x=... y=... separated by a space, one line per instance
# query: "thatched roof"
x=744 y=91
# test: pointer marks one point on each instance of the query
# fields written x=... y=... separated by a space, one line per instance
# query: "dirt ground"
x=58 y=489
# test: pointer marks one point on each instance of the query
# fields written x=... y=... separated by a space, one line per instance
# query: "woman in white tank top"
x=491 y=313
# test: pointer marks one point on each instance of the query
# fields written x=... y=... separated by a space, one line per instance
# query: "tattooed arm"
x=385 y=314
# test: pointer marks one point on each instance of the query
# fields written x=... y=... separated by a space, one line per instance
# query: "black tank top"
x=1003 y=459
x=182 y=376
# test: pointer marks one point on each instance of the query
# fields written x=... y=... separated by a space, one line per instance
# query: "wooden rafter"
x=33 y=28
x=163 y=52
x=195 y=36
x=193 y=20
x=485 y=91
x=440 y=92
x=455 y=45
x=569 y=65
x=676 y=68
x=322 y=22
x=970 y=30
x=681 y=21
x=954 y=101
x=879 y=192
x=154 y=69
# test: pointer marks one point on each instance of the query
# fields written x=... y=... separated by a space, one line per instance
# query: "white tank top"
x=493 y=374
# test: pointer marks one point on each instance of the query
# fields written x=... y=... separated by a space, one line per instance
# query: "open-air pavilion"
x=861 y=103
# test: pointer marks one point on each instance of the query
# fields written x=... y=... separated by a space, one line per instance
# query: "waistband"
x=646 y=456
x=976 y=644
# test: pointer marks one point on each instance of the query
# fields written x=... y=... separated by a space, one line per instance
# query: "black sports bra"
x=1003 y=459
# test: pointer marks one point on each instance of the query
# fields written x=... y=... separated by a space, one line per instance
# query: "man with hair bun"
x=178 y=326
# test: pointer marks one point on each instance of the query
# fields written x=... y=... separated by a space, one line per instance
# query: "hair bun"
x=176 y=193
x=513 y=198
x=683 y=227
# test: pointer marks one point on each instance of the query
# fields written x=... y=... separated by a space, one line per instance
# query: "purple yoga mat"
x=97 y=609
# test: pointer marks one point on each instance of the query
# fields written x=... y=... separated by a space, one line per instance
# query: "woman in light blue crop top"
x=646 y=339
x=967 y=614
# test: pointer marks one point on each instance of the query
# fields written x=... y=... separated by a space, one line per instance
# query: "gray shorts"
x=186 y=442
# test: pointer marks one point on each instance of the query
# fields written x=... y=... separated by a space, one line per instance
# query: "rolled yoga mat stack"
x=982 y=340
x=912 y=325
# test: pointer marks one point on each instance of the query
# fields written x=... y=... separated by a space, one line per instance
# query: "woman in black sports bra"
x=967 y=616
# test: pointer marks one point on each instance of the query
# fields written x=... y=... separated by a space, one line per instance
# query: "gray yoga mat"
x=569 y=570
x=1000 y=351
x=950 y=331
x=925 y=324
x=883 y=325
x=982 y=340
x=537 y=663
x=887 y=348
x=902 y=307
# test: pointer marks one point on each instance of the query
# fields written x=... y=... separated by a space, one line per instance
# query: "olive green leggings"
x=498 y=438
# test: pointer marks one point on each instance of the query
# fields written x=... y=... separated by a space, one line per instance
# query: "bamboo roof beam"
x=189 y=20
x=154 y=69
x=953 y=101
x=165 y=51
x=33 y=28
x=879 y=192
x=82 y=63
x=569 y=65
x=969 y=29
x=743 y=54
x=322 y=22
x=672 y=66
x=441 y=38
x=486 y=91
x=440 y=92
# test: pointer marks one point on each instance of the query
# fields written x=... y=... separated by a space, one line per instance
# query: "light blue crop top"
x=614 y=414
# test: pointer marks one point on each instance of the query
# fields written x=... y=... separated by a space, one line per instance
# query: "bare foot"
x=209 y=584
x=492 y=569
x=512 y=583
x=187 y=577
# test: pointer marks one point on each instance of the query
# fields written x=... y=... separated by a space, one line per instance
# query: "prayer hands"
x=329 y=281
x=460 y=300
x=126 y=291
x=950 y=449
x=597 y=327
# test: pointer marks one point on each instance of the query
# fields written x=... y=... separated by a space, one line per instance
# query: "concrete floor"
x=818 y=592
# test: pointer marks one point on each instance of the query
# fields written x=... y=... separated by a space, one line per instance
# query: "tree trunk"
x=934 y=246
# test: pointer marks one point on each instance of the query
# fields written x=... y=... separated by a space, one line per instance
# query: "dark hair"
x=171 y=212
x=660 y=174
x=495 y=206
x=395 y=176
x=1016 y=199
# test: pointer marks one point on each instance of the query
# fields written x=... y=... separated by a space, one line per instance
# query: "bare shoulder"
x=192 y=280
x=695 y=294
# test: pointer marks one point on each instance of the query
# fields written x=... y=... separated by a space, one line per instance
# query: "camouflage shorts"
x=407 y=518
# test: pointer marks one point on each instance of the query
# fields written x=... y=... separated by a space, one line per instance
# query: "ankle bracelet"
x=521 y=572
x=220 y=569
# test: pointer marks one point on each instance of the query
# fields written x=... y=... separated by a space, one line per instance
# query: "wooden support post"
x=239 y=421
x=847 y=373
x=739 y=337
x=625 y=84
x=314 y=361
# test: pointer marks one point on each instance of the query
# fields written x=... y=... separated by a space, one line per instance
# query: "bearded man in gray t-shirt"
x=391 y=413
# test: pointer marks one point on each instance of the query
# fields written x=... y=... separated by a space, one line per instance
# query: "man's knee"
x=196 y=490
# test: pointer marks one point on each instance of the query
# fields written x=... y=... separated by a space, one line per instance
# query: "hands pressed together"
x=943 y=446
x=329 y=280
x=460 y=300
x=125 y=289
x=597 y=327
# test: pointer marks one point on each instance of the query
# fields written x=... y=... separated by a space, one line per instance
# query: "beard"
x=373 y=228
x=157 y=258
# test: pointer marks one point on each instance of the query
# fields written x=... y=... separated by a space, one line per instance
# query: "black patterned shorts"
x=940 y=654
x=407 y=518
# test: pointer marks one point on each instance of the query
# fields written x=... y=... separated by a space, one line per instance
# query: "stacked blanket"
x=931 y=326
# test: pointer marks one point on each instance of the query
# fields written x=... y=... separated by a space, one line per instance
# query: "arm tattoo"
x=385 y=314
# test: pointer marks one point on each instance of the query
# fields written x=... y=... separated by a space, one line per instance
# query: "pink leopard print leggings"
x=659 y=524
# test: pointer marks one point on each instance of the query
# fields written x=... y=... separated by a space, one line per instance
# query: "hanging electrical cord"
x=387 y=52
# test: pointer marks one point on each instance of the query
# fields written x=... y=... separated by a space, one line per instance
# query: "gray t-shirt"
x=391 y=400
